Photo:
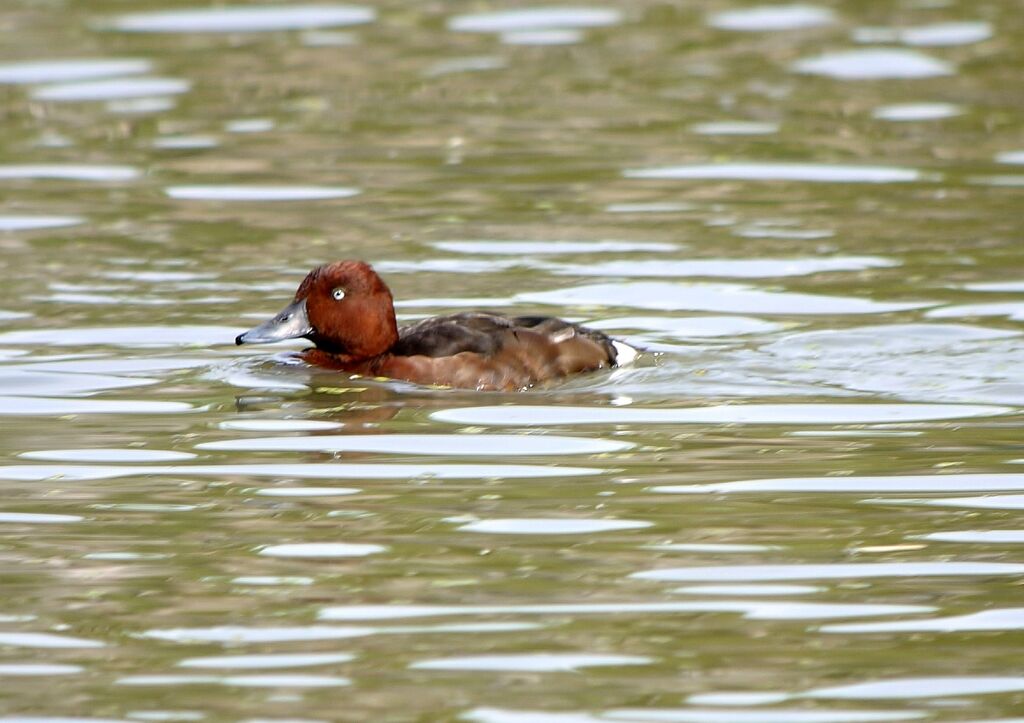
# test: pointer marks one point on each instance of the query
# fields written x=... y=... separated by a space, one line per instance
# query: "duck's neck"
x=366 y=366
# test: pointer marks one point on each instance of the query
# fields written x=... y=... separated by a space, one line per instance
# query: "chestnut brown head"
x=344 y=308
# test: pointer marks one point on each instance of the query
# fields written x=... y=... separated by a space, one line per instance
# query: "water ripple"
x=923 y=483
x=546 y=18
x=268 y=18
x=531 y=415
x=839 y=571
x=770 y=18
x=427 y=444
x=70 y=69
x=808 y=172
x=874 y=64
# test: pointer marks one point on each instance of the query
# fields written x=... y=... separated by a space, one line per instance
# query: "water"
x=800 y=505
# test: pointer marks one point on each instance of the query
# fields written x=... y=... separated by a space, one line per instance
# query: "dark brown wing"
x=488 y=334
x=438 y=336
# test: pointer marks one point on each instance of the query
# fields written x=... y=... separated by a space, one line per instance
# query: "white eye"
x=338 y=294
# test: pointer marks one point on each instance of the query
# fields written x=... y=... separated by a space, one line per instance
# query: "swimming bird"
x=347 y=311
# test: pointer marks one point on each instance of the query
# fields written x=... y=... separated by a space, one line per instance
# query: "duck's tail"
x=625 y=354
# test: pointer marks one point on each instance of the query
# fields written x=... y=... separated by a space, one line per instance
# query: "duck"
x=348 y=312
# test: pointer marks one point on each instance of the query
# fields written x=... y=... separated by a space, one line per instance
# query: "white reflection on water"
x=753 y=589
x=250 y=125
x=279 y=425
x=545 y=18
x=807 y=172
x=31 y=223
x=309 y=471
x=242 y=634
x=718 y=297
x=712 y=547
x=959 y=33
x=997 y=286
x=766 y=229
x=25 y=381
x=937 y=687
x=57 y=719
x=736 y=697
x=166 y=715
x=552 y=36
x=874 y=63
x=124 y=556
x=649 y=207
x=530 y=248
x=46 y=640
x=501 y=715
x=244 y=681
x=126 y=336
x=472 y=64
x=982 y=536
x=248 y=380
x=156 y=277
x=237 y=634
x=62 y=172
x=1012 y=309
x=734 y=128
x=453 y=266
x=750 y=609
x=998 y=619
x=740 y=268
x=917 y=111
x=427 y=444
x=271 y=580
x=922 y=483
x=30 y=518
x=768 y=18
x=47 y=407
x=530 y=662
x=70 y=69
x=120 y=366
x=307 y=491
x=548 y=526
x=740 y=715
x=27 y=669
x=839 y=571
x=107 y=455
x=454 y=302
x=140 y=106
x=114 y=89
x=185 y=142
x=530 y=415
x=689 y=326
x=280 y=660
x=244 y=19
x=853 y=433
x=260 y=193
x=321 y=550
x=994 y=502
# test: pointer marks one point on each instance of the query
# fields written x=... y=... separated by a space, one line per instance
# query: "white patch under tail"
x=626 y=353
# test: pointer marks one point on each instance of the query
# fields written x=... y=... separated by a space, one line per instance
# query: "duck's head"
x=344 y=308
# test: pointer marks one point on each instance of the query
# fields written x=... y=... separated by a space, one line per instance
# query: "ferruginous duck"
x=347 y=311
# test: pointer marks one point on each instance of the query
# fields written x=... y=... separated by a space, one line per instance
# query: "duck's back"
x=478 y=350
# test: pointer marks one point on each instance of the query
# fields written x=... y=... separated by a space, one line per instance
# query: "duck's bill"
x=291 y=323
